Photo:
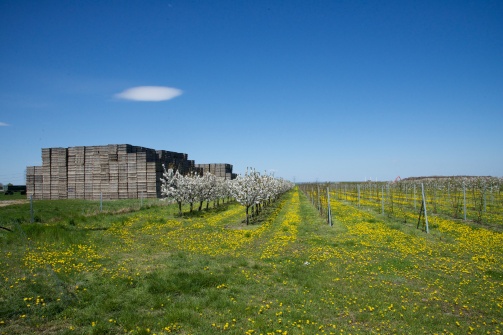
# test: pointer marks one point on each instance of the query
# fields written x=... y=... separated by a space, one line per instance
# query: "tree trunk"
x=247 y=221
x=200 y=205
x=180 y=208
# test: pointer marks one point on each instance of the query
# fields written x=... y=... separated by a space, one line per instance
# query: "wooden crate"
x=142 y=186
x=123 y=195
x=113 y=170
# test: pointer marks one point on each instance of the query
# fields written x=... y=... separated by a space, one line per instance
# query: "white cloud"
x=149 y=93
x=3 y=124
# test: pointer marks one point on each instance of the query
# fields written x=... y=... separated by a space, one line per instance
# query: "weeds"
x=149 y=271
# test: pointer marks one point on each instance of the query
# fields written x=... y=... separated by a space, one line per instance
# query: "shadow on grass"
x=183 y=282
x=196 y=213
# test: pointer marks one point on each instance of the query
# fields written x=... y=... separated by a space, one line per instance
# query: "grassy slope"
x=150 y=272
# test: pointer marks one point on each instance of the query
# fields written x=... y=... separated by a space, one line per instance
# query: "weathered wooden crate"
x=131 y=157
x=152 y=195
x=142 y=186
x=141 y=156
x=46 y=152
x=124 y=148
x=30 y=171
x=82 y=172
x=151 y=185
x=71 y=193
x=131 y=170
x=122 y=157
x=114 y=177
x=30 y=181
x=114 y=167
x=80 y=178
x=113 y=187
x=132 y=187
x=79 y=190
x=123 y=195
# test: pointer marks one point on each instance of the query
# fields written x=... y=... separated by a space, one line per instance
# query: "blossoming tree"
x=250 y=190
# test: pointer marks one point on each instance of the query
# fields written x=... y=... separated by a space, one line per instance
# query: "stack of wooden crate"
x=35 y=182
x=151 y=174
x=71 y=173
x=58 y=174
x=30 y=180
x=96 y=173
x=141 y=173
x=110 y=172
x=88 y=172
x=203 y=168
x=39 y=181
x=132 y=179
x=122 y=165
x=104 y=172
x=76 y=172
x=78 y=161
x=222 y=170
x=46 y=173
x=113 y=182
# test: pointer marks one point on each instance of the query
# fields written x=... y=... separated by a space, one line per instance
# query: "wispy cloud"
x=149 y=93
x=3 y=124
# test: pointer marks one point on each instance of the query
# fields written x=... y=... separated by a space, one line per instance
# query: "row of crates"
x=114 y=171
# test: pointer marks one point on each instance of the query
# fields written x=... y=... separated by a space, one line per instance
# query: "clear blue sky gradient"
x=309 y=90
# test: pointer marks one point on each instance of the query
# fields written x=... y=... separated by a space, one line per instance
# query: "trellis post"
x=382 y=200
x=329 y=210
x=358 y=187
x=423 y=211
x=415 y=207
x=464 y=200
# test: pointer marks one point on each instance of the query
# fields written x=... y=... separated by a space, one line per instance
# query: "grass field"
x=147 y=271
x=14 y=196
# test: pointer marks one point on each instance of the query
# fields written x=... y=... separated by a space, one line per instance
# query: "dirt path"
x=12 y=202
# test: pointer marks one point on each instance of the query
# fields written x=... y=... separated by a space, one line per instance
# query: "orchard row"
x=251 y=189
x=475 y=199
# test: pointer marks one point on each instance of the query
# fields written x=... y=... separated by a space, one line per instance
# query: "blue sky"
x=309 y=90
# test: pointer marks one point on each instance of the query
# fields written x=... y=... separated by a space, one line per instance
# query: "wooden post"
x=382 y=200
x=319 y=199
x=464 y=199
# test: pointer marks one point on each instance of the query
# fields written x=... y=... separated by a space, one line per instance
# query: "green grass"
x=72 y=211
x=14 y=196
x=150 y=271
